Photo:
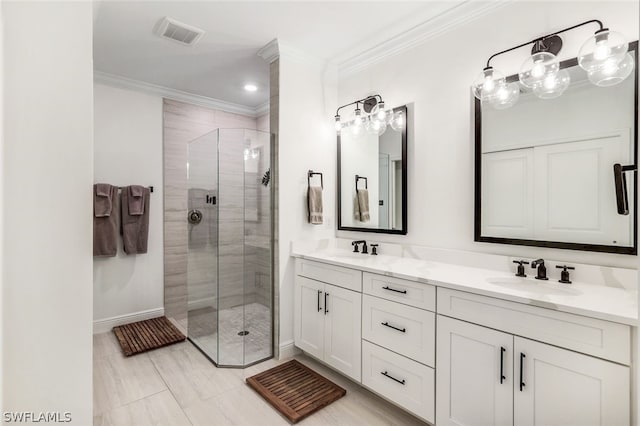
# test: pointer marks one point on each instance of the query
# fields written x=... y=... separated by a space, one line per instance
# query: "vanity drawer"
x=403 y=291
x=408 y=331
x=336 y=275
x=603 y=339
x=409 y=384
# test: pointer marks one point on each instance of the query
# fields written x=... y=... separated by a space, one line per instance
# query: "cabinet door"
x=474 y=375
x=507 y=193
x=309 y=316
x=575 y=192
x=566 y=388
x=342 y=330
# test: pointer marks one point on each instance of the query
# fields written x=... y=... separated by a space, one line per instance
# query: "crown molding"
x=176 y=95
x=262 y=109
x=270 y=52
x=443 y=22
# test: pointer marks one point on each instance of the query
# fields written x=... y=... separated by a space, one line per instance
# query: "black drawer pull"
x=522 y=357
x=386 y=324
x=319 y=293
x=393 y=289
x=326 y=311
x=384 y=373
x=502 y=351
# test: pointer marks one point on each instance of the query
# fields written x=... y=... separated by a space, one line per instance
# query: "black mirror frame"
x=402 y=231
x=633 y=46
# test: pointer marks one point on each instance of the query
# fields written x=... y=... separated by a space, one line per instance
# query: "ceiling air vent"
x=177 y=31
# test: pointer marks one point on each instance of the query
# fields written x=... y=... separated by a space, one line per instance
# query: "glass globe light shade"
x=604 y=46
x=611 y=73
x=553 y=85
x=356 y=125
x=485 y=85
x=506 y=96
x=375 y=126
x=338 y=124
x=538 y=67
x=398 y=121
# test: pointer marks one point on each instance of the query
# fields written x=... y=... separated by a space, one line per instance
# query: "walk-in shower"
x=229 y=259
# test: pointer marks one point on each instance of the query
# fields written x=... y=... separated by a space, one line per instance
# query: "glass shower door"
x=230 y=249
x=202 y=254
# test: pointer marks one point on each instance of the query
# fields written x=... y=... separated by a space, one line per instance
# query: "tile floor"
x=177 y=386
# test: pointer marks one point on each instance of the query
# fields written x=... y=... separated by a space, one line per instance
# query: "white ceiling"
x=225 y=58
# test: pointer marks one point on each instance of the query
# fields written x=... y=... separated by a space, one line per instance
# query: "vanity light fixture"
x=604 y=57
x=375 y=120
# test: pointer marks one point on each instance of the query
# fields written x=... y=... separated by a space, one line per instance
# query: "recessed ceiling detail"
x=178 y=31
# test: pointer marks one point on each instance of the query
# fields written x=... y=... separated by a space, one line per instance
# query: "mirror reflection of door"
x=383 y=191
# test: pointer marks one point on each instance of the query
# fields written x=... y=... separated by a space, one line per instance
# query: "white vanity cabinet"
x=327 y=317
x=490 y=377
x=398 y=346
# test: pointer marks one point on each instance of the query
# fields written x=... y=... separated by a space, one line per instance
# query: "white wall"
x=48 y=172
x=128 y=151
x=306 y=141
x=434 y=79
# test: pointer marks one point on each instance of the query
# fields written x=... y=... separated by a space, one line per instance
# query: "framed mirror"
x=372 y=180
x=560 y=172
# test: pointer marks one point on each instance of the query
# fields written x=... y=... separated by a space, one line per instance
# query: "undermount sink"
x=534 y=286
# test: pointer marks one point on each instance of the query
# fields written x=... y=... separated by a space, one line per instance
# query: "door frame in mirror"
x=403 y=230
x=633 y=250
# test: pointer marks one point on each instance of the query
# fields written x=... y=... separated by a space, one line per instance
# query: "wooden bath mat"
x=146 y=335
x=295 y=390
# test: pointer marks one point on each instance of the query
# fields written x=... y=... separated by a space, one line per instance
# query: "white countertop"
x=595 y=301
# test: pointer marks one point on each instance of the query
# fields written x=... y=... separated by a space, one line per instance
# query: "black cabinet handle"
x=620 y=182
x=319 y=293
x=384 y=373
x=502 y=351
x=326 y=311
x=386 y=324
x=393 y=289
x=522 y=357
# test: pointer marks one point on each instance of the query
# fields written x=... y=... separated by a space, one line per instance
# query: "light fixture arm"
x=543 y=38
x=376 y=98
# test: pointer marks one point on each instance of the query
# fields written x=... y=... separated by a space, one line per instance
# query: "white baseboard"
x=288 y=350
x=104 y=325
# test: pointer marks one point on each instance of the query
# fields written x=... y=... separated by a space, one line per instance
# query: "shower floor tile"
x=235 y=349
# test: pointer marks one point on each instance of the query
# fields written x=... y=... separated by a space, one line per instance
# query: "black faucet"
x=521 y=264
x=364 y=246
x=542 y=270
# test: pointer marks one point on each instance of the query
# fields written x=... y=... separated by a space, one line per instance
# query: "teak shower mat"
x=295 y=390
x=146 y=335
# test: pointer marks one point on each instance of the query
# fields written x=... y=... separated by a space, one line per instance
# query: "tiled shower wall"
x=182 y=124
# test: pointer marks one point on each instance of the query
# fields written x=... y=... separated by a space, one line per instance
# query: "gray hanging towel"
x=135 y=228
x=314 y=204
x=105 y=227
x=136 y=200
x=363 y=204
x=102 y=201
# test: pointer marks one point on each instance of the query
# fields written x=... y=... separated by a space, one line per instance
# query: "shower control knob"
x=195 y=217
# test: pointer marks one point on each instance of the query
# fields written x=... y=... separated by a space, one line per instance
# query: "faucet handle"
x=374 y=249
x=564 y=275
x=355 y=246
x=521 y=264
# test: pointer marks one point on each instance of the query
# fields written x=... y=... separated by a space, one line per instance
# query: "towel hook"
x=366 y=184
x=310 y=175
